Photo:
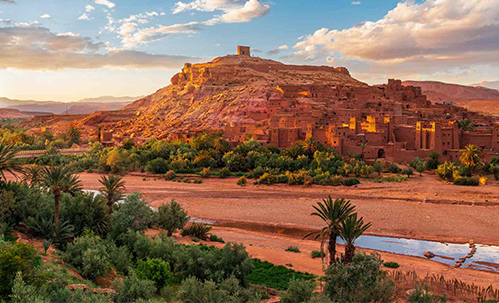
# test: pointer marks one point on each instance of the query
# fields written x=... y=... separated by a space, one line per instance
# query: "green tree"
x=378 y=167
x=333 y=213
x=466 y=125
x=32 y=174
x=420 y=168
x=112 y=189
x=470 y=156
x=59 y=179
x=171 y=217
x=433 y=160
x=350 y=230
x=8 y=161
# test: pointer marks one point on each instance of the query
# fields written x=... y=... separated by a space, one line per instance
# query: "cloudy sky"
x=69 y=50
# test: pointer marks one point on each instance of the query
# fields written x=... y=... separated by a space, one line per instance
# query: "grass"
x=276 y=277
x=293 y=249
x=215 y=238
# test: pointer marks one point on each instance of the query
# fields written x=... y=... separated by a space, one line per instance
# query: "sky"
x=69 y=50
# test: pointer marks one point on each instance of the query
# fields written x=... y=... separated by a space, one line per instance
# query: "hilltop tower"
x=243 y=51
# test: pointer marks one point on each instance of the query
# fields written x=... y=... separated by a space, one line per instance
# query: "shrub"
x=120 y=257
x=198 y=181
x=197 y=230
x=360 y=281
x=422 y=295
x=446 y=171
x=215 y=238
x=432 y=162
x=155 y=270
x=242 y=181
x=14 y=258
x=391 y=264
x=421 y=167
x=467 y=181
x=132 y=289
x=134 y=213
x=293 y=249
x=393 y=168
x=170 y=175
x=407 y=171
x=224 y=172
x=317 y=254
x=351 y=181
x=298 y=291
x=171 y=217
x=205 y=172
x=157 y=166
x=85 y=211
x=494 y=169
x=378 y=167
x=194 y=291
x=95 y=262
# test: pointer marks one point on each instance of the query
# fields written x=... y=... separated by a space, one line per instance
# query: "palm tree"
x=112 y=188
x=32 y=174
x=466 y=125
x=350 y=230
x=470 y=156
x=8 y=162
x=59 y=179
x=333 y=213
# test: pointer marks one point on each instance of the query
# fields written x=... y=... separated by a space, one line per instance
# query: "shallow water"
x=485 y=258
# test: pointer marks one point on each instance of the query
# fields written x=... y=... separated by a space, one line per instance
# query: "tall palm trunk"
x=332 y=248
x=56 y=198
x=110 y=204
x=349 y=253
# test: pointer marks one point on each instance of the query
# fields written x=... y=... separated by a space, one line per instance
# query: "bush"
x=14 y=258
x=205 y=172
x=360 y=281
x=298 y=291
x=393 y=168
x=422 y=295
x=157 y=166
x=351 y=182
x=446 y=171
x=467 y=181
x=391 y=264
x=293 y=249
x=95 y=262
x=170 y=175
x=132 y=289
x=133 y=214
x=197 y=230
x=494 y=169
x=224 y=173
x=121 y=258
x=242 y=181
x=215 y=238
x=194 y=291
x=408 y=172
x=155 y=270
x=317 y=254
x=171 y=217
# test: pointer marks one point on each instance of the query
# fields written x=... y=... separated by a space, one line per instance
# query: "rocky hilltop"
x=210 y=95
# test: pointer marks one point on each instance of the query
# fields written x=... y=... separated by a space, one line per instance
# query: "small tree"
x=73 y=135
x=60 y=179
x=420 y=168
x=350 y=230
x=378 y=167
x=408 y=172
x=494 y=168
x=470 y=156
x=112 y=189
x=433 y=160
x=171 y=217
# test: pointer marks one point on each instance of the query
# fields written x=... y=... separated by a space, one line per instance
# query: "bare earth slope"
x=209 y=95
x=470 y=97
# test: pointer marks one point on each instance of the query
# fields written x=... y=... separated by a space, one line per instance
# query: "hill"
x=470 y=97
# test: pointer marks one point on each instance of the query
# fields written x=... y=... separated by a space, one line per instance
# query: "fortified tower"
x=243 y=51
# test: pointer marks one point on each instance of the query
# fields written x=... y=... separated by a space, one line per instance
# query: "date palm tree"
x=32 y=174
x=350 y=230
x=470 y=156
x=333 y=213
x=59 y=179
x=8 y=161
x=112 y=188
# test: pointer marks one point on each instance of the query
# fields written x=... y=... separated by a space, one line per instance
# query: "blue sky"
x=68 y=50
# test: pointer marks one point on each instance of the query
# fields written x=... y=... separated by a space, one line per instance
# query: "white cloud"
x=107 y=3
x=146 y=35
x=45 y=16
x=89 y=8
x=233 y=10
x=283 y=47
x=37 y=48
x=84 y=17
x=420 y=36
x=277 y=50
x=356 y=2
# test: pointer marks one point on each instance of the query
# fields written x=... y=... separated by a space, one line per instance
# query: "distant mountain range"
x=476 y=98
x=488 y=84
x=84 y=106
